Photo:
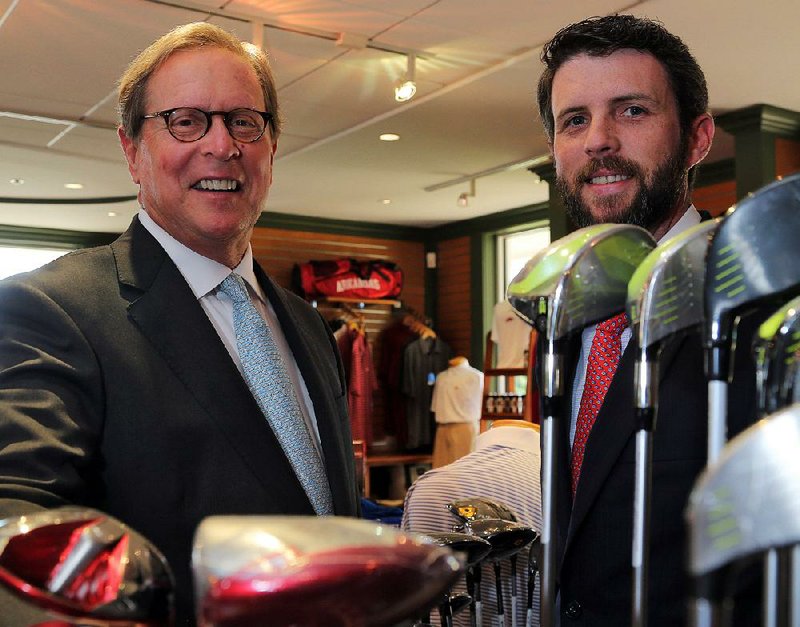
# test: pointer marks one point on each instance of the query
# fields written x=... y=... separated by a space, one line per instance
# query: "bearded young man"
x=624 y=105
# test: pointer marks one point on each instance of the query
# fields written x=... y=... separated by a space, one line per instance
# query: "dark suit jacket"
x=595 y=533
x=117 y=393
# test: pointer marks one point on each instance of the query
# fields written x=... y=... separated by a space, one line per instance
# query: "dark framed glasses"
x=188 y=124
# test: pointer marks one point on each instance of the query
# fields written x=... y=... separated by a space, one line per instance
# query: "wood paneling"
x=454 y=304
x=716 y=198
x=787 y=156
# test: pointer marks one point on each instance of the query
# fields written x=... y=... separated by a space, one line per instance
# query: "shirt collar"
x=521 y=438
x=201 y=273
x=688 y=219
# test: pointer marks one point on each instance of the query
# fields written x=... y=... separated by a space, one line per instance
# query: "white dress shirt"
x=204 y=276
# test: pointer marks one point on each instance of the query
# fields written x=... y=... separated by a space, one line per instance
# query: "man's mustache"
x=617 y=165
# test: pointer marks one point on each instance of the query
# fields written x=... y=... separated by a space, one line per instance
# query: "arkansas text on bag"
x=348 y=278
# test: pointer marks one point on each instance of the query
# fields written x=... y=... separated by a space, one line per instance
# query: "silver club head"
x=746 y=502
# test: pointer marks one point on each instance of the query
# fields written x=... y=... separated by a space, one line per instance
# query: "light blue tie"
x=272 y=388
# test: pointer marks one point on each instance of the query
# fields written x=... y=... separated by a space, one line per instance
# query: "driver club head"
x=474 y=508
x=746 y=502
x=666 y=292
x=315 y=571
x=579 y=279
x=473 y=548
x=777 y=351
x=753 y=258
x=80 y=565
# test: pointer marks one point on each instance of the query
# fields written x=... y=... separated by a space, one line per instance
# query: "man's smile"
x=217 y=185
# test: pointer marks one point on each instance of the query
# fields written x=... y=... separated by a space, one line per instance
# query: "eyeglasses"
x=188 y=124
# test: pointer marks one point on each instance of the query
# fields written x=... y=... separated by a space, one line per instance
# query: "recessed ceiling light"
x=16 y=181
x=73 y=185
x=112 y=214
x=389 y=137
x=387 y=201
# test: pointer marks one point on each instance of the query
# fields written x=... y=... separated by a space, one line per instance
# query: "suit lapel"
x=312 y=352
x=169 y=316
x=612 y=431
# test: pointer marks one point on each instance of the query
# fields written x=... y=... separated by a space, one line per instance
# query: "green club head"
x=665 y=293
x=579 y=279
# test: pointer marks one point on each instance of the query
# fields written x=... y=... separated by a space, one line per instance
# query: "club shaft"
x=548 y=566
x=771 y=587
x=794 y=587
x=717 y=412
x=641 y=526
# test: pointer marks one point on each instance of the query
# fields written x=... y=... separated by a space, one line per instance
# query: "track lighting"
x=407 y=87
x=463 y=197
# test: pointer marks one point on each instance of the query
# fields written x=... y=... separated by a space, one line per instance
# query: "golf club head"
x=473 y=548
x=777 y=353
x=579 y=279
x=475 y=508
x=80 y=566
x=746 y=502
x=506 y=537
x=666 y=292
x=459 y=602
x=753 y=258
x=314 y=571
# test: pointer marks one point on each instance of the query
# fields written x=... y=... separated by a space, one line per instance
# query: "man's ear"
x=131 y=149
x=701 y=135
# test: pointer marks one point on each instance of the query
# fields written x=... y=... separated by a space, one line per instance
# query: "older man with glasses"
x=165 y=377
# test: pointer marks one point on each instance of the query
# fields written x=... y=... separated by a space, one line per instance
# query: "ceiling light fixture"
x=73 y=185
x=463 y=198
x=407 y=87
x=389 y=137
x=16 y=181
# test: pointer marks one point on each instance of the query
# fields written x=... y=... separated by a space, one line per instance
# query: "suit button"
x=574 y=610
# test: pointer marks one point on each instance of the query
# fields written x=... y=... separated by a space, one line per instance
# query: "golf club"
x=314 y=571
x=753 y=260
x=777 y=350
x=507 y=539
x=533 y=569
x=665 y=298
x=576 y=281
x=742 y=505
x=81 y=565
x=473 y=549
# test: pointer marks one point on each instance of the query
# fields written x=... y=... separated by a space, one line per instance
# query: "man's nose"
x=601 y=138
x=218 y=142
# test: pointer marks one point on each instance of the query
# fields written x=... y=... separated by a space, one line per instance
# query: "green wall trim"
x=271 y=219
x=52 y=238
x=493 y=222
x=761 y=117
x=716 y=172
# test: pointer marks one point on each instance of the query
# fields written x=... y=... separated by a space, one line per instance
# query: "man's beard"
x=654 y=201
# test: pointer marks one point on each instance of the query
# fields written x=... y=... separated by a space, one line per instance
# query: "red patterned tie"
x=603 y=360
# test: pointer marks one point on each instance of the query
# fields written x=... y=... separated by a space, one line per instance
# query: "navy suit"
x=595 y=532
x=117 y=393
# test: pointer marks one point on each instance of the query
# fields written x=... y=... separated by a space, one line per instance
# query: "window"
x=16 y=259
x=514 y=251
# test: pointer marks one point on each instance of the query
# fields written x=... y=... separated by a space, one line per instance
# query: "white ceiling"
x=474 y=112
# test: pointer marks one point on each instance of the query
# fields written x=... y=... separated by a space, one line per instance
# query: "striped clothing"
x=504 y=467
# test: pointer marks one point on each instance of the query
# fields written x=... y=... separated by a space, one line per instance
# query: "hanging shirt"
x=512 y=336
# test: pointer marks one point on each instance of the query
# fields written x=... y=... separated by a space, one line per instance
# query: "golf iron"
x=665 y=298
x=753 y=261
x=743 y=505
x=576 y=281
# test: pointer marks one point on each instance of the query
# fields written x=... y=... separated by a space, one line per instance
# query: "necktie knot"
x=614 y=326
x=233 y=287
